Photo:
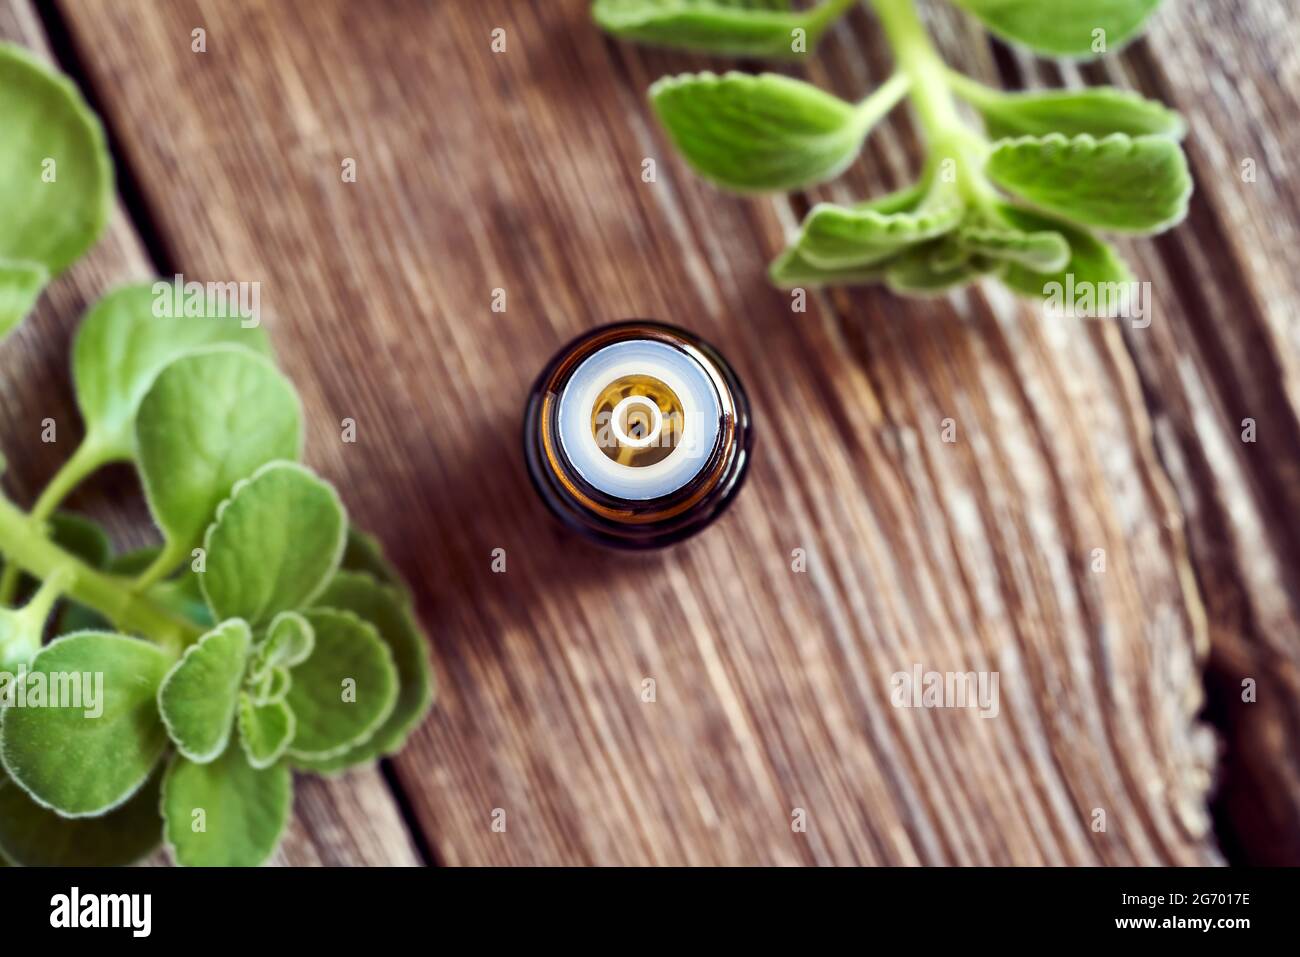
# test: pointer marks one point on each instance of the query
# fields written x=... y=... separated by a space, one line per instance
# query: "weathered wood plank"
x=1224 y=347
x=521 y=171
x=1230 y=352
x=353 y=820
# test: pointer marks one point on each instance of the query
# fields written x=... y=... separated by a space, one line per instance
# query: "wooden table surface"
x=476 y=171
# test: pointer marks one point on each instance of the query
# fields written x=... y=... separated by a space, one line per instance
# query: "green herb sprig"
x=1018 y=200
x=264 y=634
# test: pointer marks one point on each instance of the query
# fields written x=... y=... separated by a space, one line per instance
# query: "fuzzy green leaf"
x=750 y=28
x=82 y=537
x=77 y=617
x=933 y=268
x=1092 y=262
x=56 y=179
x=364 y=553
x=210 y=419
x=288 y=642
x=791 y=270
x=838 y=237
x=123 y=344
x=265 y=730
x=390 y=612
x=1120 y=182
x=82 y=765
x=345 y=691
x=1097 y=111
x=270 y=686
x=1064 y=27
x=226 y=813
x=133 y=562
x=33 y=836
x=274 y=545
x=21 y=283
x=759 y=133
x=1042 y=252
x=198 y=697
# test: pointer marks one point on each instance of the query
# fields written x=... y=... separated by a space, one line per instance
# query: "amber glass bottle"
x=637 y=434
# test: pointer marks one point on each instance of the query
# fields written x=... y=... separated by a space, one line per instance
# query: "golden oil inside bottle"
x=637 y=420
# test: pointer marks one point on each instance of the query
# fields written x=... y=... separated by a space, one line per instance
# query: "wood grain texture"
x=348 y=821
x=1228 y=350
x=1224 y=347
x=522 y=171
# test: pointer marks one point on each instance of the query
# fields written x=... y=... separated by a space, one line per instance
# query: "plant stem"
x=37 y=610
x=20 y=631
x=821 y=16
x=883 y=99
x=171 y=555
x=26 y=548
x=971 y=90
x=919 y=60
x=86 y=459
x=948 y=136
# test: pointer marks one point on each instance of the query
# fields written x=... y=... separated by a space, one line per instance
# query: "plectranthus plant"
x=1020 y=199
x=167 y=695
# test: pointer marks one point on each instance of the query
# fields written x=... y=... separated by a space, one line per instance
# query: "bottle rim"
x=627 y=522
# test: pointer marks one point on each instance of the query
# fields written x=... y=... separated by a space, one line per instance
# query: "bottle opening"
x=637 y=420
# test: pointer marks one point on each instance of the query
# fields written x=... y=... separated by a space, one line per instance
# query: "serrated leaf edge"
x=1177 y=122
x=262 y=764
x=430 y=683
x=162 y=812
x=1093 y=143
x=925 y=225
x=1113 y=44
x=624 y=24
x=987 y=236
x=145 y=482
x=311 y=634
x=364 y=736
x=857 y=126
x=171 y=672
x=276 y=464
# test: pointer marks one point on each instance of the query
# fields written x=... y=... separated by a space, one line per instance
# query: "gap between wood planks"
x=162 y=258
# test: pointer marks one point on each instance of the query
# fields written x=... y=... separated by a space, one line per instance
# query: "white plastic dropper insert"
x=701 y=419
